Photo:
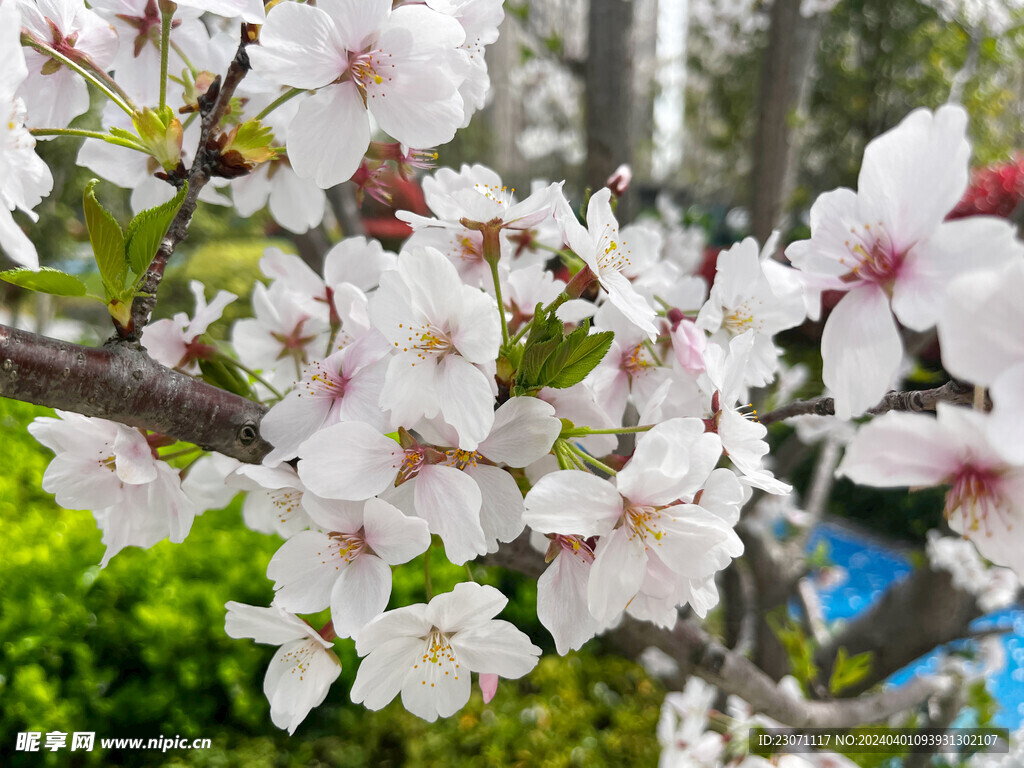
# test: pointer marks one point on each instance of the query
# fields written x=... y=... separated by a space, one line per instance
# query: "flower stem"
x=501 y=304
x=166 y=18
x=87 y=134
x=584 y=431
x=181 y=53
x=427 y=583
x=588 y=459
x=228 y=360
x=32 y=42
x=286 y=96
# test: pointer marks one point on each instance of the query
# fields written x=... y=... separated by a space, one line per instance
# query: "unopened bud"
x=619 y=181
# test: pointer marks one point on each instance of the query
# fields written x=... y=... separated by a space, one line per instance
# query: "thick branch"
x=700 y=654
x=914 y=616
x=956 y=392
x=122 y=383
x=198 y=175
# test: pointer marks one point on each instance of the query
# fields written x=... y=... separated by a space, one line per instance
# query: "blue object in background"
x=862 y=570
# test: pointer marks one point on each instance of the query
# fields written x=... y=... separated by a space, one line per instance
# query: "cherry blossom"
x=302 y=669
x=607 y=256
x=276 y=499
x=173 y=342
x=404 y=66
x=640 y=525
x=342 y=387
x=427 y=652
x=745 y=298
x=24 y=178
x=439 y=328
x=985 y=502
x=346 y=568
x=111 y=469
x=887 y=244
x=54 y=95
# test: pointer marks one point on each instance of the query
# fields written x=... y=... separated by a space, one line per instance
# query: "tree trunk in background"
x=609 y=84
x=785 y=75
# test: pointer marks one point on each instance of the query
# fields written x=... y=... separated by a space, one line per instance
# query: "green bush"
x=138 y=650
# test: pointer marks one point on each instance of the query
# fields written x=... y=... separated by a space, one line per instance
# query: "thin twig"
x=953 y=391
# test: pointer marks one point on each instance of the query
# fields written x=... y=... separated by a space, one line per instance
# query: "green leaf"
x=225 y=376
x=46 y=280
x=584 y=355
x=534 y=358
x=107 y=241
x=148 y=228
x=848 y=670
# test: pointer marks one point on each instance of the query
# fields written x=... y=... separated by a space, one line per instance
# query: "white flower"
x=743 y=298
x=888 y=244
x=427 y=652
x=275 y=502
x=440 y=329
x=562 y=593
x=302 y=670
x=24 y=179
x=342 y=387
x=644 y=534
x=54 y=95
x=986 y=498
x=981 y=342
x=110 y=469
x=403 y=66
x=172 y=342
x=607 y=256
x=347 y=568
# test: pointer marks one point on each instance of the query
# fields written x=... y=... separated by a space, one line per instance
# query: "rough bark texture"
x=219 y=99
x=785 y=73
x=955 y=392
x=609 y=82
x=913 y=617
x=122 y=383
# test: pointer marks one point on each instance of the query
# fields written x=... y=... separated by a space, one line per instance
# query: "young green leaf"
x=148 y=228
x=849 y=670
x=582 y=359
x=46 y=280
x=107 y=241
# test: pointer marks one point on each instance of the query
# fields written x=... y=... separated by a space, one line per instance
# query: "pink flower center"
x=370 y=68
x=350 y=545
x=873 y=256
x=976 y=494
x=643 y=521
x=325 y=383
x=636 y=361
x=574 y=546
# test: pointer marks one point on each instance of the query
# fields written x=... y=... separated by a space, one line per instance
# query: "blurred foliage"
x=138 y=650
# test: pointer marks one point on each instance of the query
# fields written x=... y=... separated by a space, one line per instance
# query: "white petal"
x=616 y=575
x=273 y=625
x=860 y=350
x=562 y=602
x=1006 y=424
x=382 y=674
x=393 y=536
x=956 y=247
x=436 y=689
x=466 y=400
x=408 y=621
x=900 y=449
x=329 y=135
x=450 y=502
x=298 y=678
x=467 y=605
x=524 y=430
x=350 y=460
x=304 y=570
x=501 y=510
x=299 y=46
x=497 y=647
x=360 y=594
x=572 y=502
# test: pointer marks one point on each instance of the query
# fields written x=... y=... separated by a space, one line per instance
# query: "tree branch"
x=953 y=391
x=122 y=383
x=199 y=174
